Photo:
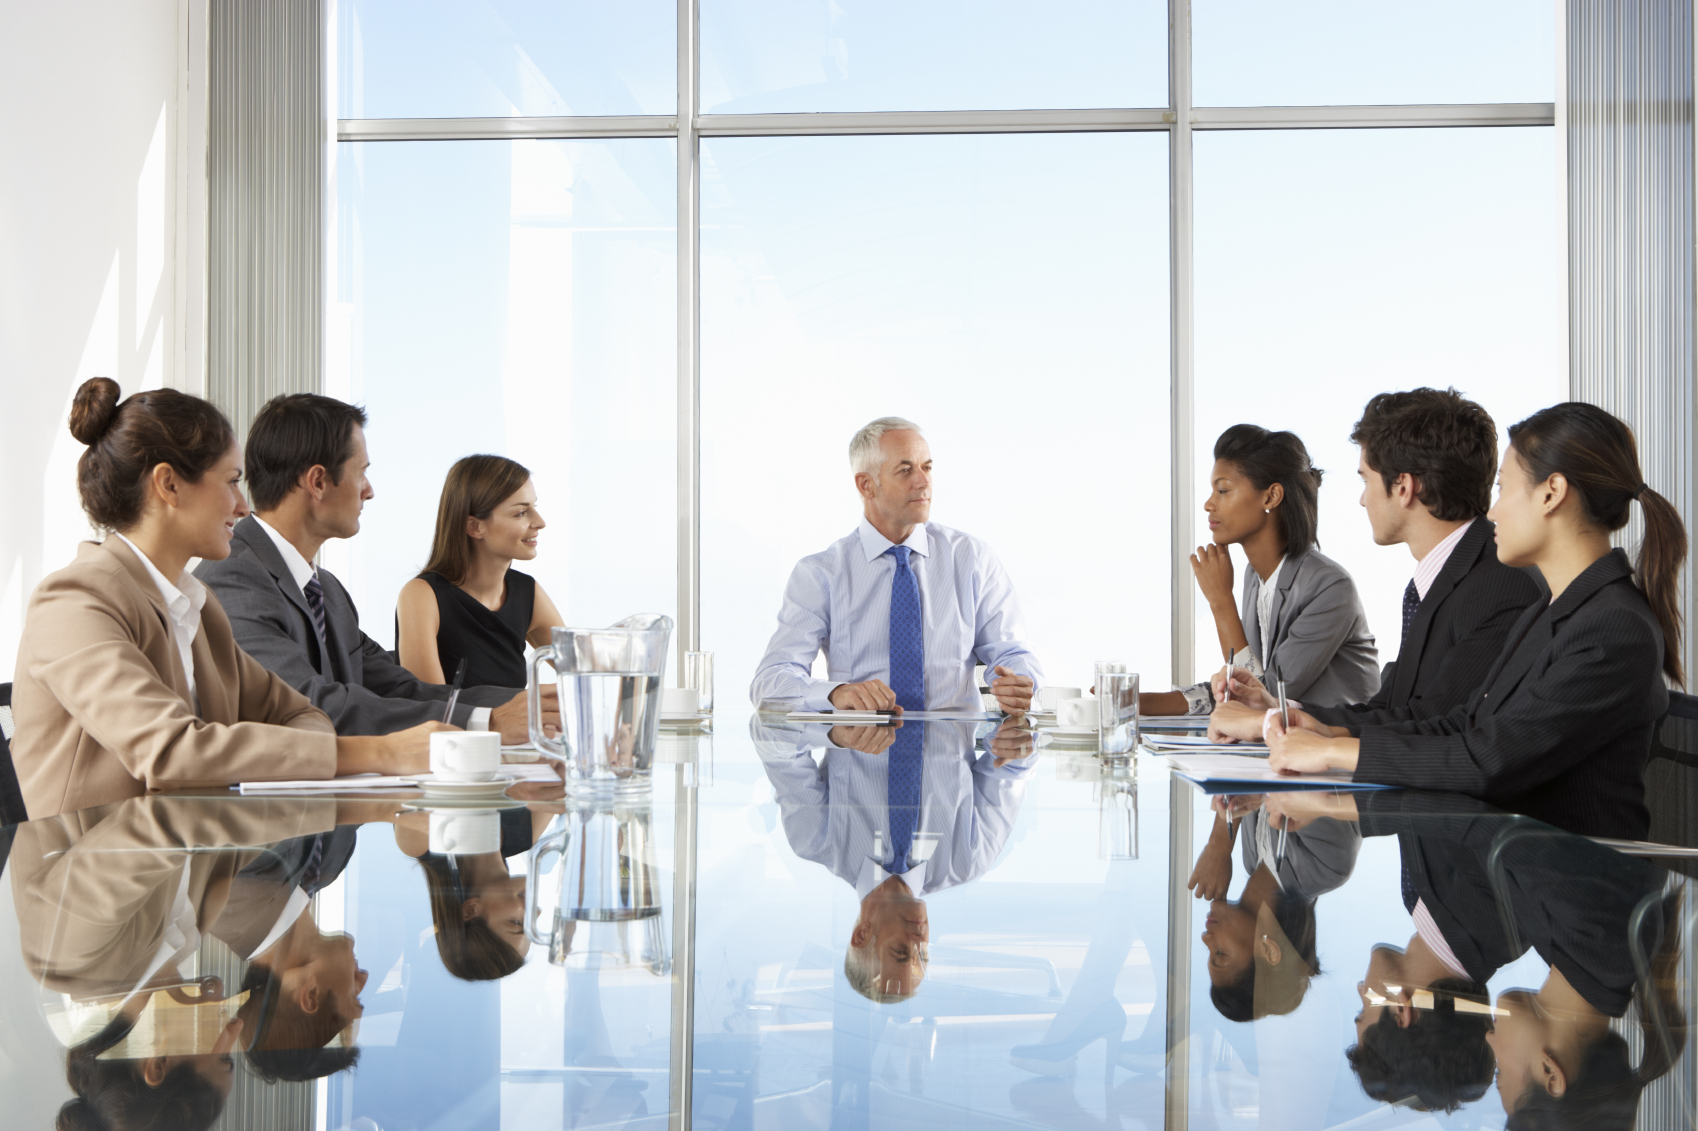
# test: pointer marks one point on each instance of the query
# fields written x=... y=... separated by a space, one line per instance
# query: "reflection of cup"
x=465 y=832
x=678 y=701
x=465 y=755
x=1076 y=712
x=1049 y=698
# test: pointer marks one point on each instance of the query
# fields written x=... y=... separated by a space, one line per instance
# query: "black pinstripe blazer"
x=1454 y=640
x=1561 y=727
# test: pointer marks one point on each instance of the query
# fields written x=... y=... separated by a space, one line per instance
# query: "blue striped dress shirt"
x=839 y=601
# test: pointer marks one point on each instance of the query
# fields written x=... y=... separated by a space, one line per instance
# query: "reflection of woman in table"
x=184 y=1089
x=477 y=907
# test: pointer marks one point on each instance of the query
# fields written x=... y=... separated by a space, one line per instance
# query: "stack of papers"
x=1200 y=743
x=880 y=718
x=1175 y=722
x=1234 y=773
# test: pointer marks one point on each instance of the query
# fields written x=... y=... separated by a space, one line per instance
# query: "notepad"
x=1201 y=744
x=1235 y=773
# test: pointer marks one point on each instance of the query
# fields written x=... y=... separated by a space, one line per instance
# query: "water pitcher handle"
x=554 y=844
x=533 y=697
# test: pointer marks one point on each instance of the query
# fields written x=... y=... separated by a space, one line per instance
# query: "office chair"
x=1671 y=776
x=11 y=797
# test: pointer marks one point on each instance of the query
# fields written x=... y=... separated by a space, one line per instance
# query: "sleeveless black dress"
x=491 y=643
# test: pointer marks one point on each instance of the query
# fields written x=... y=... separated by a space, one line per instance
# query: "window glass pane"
x=514 y=297
x=1336 y=264
x=503 y=58
x=1008 y=293
x=1342 y=52
x=771 y=56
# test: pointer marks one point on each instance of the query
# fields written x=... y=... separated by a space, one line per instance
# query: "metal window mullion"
x=682 y=1061
x=1182 y=262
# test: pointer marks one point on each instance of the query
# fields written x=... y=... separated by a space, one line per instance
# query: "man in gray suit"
x=306 y=467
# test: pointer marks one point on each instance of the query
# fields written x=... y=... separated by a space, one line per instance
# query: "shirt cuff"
x=479 y=718
x=818 y=696
x=1199 y=699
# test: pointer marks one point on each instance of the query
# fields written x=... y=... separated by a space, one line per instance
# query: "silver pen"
x=1285 y=724
x=1226 y=690
x=454 y=692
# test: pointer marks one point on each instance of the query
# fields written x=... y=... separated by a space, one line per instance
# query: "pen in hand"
x=454 y=692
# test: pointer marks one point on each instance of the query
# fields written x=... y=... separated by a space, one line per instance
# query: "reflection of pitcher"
x=608 y=910
x=609 y=683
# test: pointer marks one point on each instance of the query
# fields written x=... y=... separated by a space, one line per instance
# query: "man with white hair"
x=904 y=609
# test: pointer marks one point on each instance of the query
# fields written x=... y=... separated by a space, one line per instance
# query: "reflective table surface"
x=731 y=952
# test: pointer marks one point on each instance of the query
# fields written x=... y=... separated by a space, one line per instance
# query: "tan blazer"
x=101 y=701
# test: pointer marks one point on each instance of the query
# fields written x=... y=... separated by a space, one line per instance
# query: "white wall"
x=102 y=245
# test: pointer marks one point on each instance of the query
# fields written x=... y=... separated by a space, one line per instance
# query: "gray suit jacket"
x=358 y=685
x=1321 y=644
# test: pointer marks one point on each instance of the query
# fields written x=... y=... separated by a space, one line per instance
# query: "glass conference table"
x=1042 y=964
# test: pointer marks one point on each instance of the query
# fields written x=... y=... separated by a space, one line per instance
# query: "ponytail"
x=1596 y=453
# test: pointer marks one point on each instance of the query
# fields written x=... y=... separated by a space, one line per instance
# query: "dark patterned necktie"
x=1411 y=602
x=314 y=593
x=907 y=650
x=902 y=793
x=311 y=874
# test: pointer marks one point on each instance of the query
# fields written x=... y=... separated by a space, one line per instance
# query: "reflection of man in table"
x=898 y=813
x=903 y=608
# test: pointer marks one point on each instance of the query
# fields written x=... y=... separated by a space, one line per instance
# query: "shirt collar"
x=1427 y=570
x=874 y=544
x=182 y=600
x=299 y=568
x=873 y=874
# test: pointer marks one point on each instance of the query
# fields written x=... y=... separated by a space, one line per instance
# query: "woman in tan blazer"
x=128 y=678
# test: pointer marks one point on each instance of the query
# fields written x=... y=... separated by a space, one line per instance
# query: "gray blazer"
x=1321 y=644
x=358 y=685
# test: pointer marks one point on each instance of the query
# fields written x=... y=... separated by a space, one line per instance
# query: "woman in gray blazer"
x=1300 y=620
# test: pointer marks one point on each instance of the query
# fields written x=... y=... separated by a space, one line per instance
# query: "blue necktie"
x=907 y=651
x=902 y=793
x=1411 y=603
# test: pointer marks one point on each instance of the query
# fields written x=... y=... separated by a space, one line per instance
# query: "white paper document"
x=352 y=781
x=1201 y=743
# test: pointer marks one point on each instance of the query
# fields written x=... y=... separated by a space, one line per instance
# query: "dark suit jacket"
x=1561 y=727
x=357 y=685
x=1455 y=638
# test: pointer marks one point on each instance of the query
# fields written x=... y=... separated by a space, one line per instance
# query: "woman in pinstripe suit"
x=1562 y=726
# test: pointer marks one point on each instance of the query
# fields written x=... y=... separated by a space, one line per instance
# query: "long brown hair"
x=1596 y=453
x=475 y=486
x=470 y=950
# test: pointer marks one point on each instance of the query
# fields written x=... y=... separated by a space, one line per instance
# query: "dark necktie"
x=907 y=650
x=902 y=793
x=314 y=870
x=314 y=593
x=1411 y=602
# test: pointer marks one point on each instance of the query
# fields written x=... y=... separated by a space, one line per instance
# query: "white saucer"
x=479 y=804
x=1074 y=733
x=692 y=719
x=436 y=788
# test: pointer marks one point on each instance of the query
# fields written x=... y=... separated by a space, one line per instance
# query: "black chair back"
x=1671 y=776
x=11 y=797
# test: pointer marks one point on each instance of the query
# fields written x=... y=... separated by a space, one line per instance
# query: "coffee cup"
x=465 y=755
x=465 y=832
x=1076 y=712
x=1049 y=698
x=679 y=701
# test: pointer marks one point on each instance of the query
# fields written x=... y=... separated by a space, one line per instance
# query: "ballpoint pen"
x=454 y=692
x=1226 y=689
x=1285 y=724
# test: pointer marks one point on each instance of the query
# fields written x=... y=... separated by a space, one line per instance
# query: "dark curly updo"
x=127 y=441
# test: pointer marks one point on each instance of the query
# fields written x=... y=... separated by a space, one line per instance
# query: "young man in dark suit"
x=1428 y=458
x=306 y=469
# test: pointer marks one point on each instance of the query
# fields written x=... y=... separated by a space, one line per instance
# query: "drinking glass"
x=698 y=677
x=1117 y=712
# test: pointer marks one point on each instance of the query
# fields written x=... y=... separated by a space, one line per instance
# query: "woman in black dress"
x=469 y=604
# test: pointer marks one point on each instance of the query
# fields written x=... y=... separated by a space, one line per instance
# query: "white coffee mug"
x=465 y=832
x=1049 y=698
x=678 y=701
x=465 y=755
x=1076 y=712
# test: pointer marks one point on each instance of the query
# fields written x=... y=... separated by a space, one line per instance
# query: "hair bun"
x=94 y=409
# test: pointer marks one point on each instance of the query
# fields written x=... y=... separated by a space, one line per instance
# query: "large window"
x=672 y=266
